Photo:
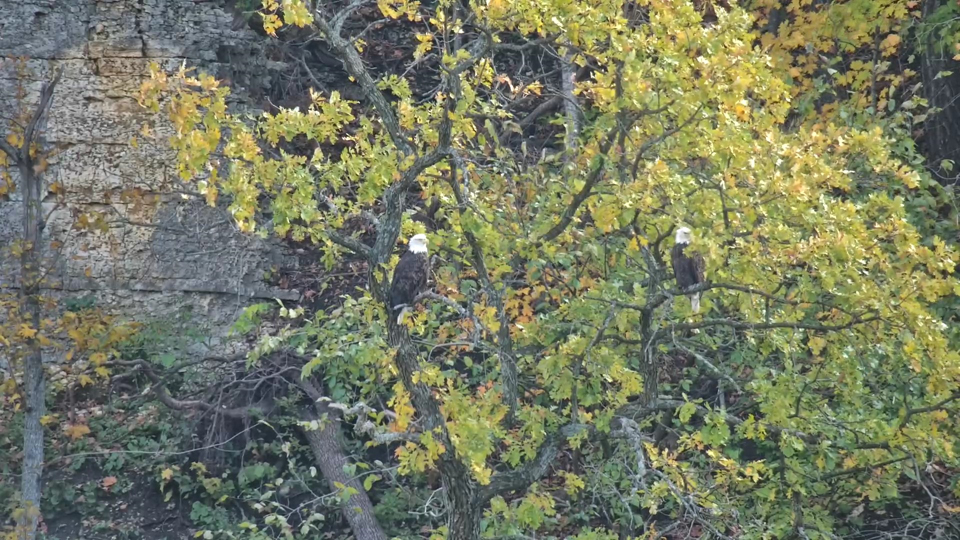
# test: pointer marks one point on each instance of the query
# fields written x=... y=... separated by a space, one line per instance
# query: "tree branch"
x=389 y=229
x=352 y=62
x=662 y=137
x=466 y=314
x=634 y=410
x=351 y=243
x=508 y=364
x=738 y=325
x=935 y=407
x=263 y=408
x=703 y=361
x=578 y=362
x=10 y=151
x=865 y=468
x=570 y=211
x=532 y=470
x=46 y=99
x=22 y=154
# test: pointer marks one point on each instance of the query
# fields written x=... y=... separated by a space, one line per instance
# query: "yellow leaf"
x=816 y=345
x=889 y=44
x=103 y=372
x=75 y=431
x=26 y=331
x=47 y=419
x=8 y=387
x=166 y=475
x=270 y=24
x=85 y=380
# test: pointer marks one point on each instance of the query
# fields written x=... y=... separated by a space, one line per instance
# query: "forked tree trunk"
x=31 y=190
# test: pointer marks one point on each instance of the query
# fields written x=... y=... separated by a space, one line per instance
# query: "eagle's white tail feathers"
x=695 y=302
x=404 y=309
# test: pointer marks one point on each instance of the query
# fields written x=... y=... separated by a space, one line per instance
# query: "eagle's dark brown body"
x=688 y=269
x=409 y=279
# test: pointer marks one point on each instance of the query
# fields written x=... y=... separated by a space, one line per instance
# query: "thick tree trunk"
x=463 y=522
x=942 y=129
x=358 y=509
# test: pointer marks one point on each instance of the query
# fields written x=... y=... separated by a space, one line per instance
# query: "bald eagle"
x=687 y=269
x=410 y=276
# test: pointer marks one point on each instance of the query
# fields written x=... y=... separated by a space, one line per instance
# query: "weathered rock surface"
x=160 y=252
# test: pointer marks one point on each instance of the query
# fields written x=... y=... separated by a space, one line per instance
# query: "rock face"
x=160 y=251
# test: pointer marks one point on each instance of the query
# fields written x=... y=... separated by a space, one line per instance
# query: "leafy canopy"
x=831 y=374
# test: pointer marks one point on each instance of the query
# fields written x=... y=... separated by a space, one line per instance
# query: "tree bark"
x=568 y=83
x=358 y=509
x=942 y=129
x=33 y=359
x=463 y=507
x=31 y=190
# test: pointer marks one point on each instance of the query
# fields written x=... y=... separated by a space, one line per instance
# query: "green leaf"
x=369 y=481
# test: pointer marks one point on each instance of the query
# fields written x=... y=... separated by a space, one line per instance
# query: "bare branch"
x=340 y=18
x=46 y=99
x=159 y=390
x=526 y=46
x=351 y=243
x=22 y=154
x=691 y=506
x=540 y=110
x=703 y=361
x=571 y=108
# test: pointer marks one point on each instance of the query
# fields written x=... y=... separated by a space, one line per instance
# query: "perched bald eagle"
x=687 y=269
x=410 y=276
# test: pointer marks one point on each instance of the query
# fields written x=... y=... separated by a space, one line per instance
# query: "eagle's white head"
x=683 y=235
x=418 y=244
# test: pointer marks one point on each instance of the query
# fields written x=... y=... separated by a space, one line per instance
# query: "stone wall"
x=154 y=258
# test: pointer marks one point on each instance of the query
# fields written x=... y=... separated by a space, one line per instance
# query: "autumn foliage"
x=555 y=379
x=820 y=375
